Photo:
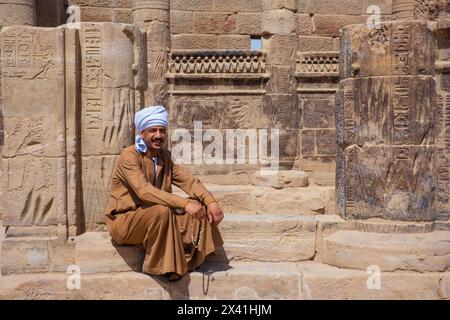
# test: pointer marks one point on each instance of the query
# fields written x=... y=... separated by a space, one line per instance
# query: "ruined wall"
x=104 y=10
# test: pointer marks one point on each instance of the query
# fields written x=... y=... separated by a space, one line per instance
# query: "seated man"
x=177 y=233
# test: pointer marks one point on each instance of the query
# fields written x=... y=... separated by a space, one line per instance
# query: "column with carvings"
x=392 y=180
x=153 y=16
x=280 y=106
x=386 y=111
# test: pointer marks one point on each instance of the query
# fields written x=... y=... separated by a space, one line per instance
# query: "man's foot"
x=172 y=276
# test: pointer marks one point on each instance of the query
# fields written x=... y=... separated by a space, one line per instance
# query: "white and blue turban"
x=146 y=118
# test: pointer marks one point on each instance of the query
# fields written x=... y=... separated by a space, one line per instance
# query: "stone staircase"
x=280 y=243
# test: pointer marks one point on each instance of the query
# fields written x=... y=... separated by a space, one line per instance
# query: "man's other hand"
x=215 y=213
x=195 y=209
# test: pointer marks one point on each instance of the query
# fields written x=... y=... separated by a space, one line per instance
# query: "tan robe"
x=140 y=213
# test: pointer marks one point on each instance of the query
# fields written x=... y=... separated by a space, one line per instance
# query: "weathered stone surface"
x=330 y=24
x=444 y=288
x=282 y=179
x=304 y=201
x=386 y=124
x=316 y=43
x=108 y=105
x=318 y=114
x=194 y=41
x=322 y=282
x=254 y=281
x=233 y=42
x=181 y=21
x=57 y=286
x=17 y=12
x=248 y=23
x=278 y=238
x=362 y=106
x=191 y=5
x=216 y=23
x=398 y=48
x=25 y=255
x=279 y=21
x=396 y=183
x=34 y=156
x=422 y=252
x=106 y=256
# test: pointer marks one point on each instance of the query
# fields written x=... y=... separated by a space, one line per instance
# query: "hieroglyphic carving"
x=27 y=54
x=391 y=116
x=108 y=104
x=216 y=62
x=34 y=157
x=400 y=48
x=401 y=110
x=92 y=77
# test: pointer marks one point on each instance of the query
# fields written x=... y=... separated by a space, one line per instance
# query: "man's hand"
x=215 y=213
x=195 y=209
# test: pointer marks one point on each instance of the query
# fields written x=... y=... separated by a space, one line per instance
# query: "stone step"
x=249 y=199
x=324 y=282
x=244 y=280
x=421 y=252
x=246 y=237
x=237 y=280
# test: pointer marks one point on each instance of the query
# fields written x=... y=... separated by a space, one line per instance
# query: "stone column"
x=388 y=164
x=280 y=108
x=17 y=12
x=414 y=9
x=112 y=72
x=153 y=16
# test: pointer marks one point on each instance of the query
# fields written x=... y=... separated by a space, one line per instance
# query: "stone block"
x=282 y=179
x=181 y=21
x=279 y=21
x=398 y=48
x=25 y=255
x=278 y=238
x=106 y=256
x=255 y=281
x=251 y=6
x=363 y=103
x=57 y=286
x=444 y=287
x=233 y=42
x=96 y=14
x=387 y=172
x=280 y=4
x=18 y=13
x=420 y=252
x=322 y=282
x=214 y=23
x=326 y=142
x=197 y=41
x=228 y=5
x=308 y=142
x=348 y=7
x=191 y=5
x=122 y=16
x=304 y=24
x=315 y=43
x=318 y=113
x=304 y=201
x=34 y=156
x=249 y=23
x=330 y=24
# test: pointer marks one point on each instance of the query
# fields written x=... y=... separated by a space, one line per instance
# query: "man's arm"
x=184 y=180
x=129 y=171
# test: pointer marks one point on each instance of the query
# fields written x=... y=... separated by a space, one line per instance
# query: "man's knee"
x=161 y=212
